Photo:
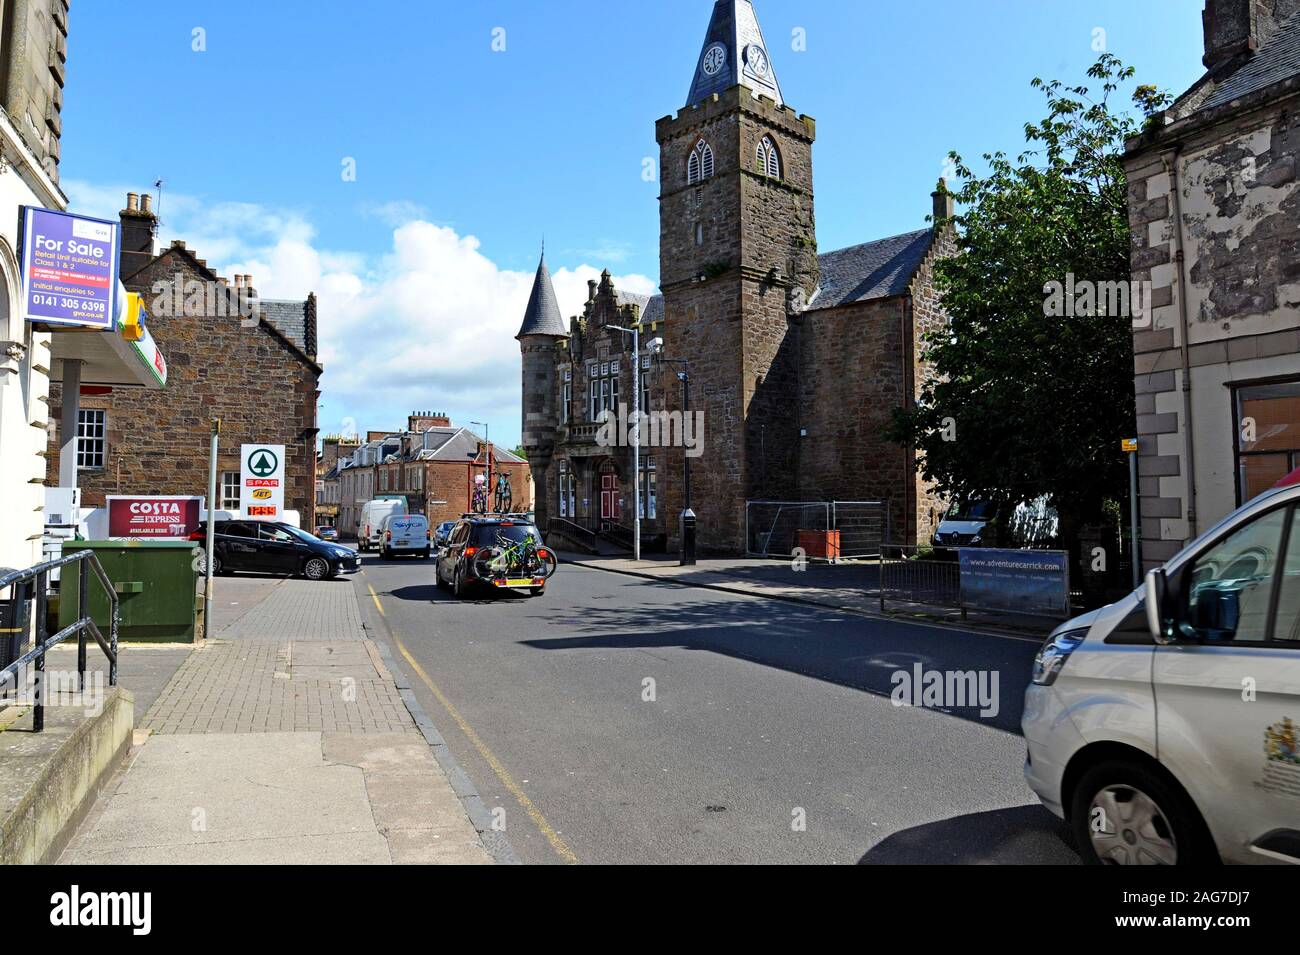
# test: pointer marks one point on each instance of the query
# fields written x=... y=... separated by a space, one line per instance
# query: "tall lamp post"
x=634 y=433
x=687 y=521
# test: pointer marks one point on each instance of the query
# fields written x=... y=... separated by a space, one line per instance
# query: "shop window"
x=1268 y=436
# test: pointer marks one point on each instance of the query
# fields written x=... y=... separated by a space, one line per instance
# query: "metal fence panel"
x=863 y=526
x=771 y=526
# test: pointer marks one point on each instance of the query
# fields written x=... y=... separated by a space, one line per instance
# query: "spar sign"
x=261 y=481
x=153 y=516
x=69 y=269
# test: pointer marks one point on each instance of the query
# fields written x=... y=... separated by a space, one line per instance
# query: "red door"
x=608 y=497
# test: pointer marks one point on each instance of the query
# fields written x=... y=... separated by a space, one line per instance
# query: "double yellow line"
x=535 y=814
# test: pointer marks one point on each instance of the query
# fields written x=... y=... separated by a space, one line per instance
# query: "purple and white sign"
x=69 y=269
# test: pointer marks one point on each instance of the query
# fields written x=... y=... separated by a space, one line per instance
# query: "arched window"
x=769 y=160
x=699 y=165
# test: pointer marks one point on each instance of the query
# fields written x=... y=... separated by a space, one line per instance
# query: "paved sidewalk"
x=848 y=586
x=282 y=739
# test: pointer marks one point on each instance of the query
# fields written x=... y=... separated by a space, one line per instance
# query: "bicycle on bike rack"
x=517 y=564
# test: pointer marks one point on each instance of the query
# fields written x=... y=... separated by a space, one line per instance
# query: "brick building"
x=1214 y=212
x=257 y=372
x=795 y=358
x=431 y=465
x=334 y=447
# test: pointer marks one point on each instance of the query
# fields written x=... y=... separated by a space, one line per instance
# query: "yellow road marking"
x=557 y=843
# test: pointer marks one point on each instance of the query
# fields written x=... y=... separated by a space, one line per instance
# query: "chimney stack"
x=139 y=228
x=146 y=202
x=944 y=205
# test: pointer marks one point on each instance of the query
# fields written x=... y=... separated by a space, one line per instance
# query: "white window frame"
x=699 y=164
x=92 y=439
x=769 y=158
x=230 y=491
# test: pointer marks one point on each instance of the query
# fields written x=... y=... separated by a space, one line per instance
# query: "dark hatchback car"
x=270 y=547
x=460 y=566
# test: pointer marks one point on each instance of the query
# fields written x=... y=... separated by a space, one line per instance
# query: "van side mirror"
x=1157 y=591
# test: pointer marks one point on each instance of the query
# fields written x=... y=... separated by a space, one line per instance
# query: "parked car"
x=372 y=516
x=405 y=534
x=442 y=533
x=273 y=547
x=327 y=533
x=1165 y=727
x=518 y=560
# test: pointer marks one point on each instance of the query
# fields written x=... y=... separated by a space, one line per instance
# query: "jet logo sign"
x=261 y=482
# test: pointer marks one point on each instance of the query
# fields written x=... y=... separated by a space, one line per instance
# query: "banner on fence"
x=1016 y=581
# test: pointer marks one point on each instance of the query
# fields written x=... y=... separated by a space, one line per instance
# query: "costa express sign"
x=158 y=517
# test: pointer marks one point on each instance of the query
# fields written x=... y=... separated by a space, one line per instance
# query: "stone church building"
x=795 y=358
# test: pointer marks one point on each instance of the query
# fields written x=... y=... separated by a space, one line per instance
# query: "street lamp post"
x=634 y=433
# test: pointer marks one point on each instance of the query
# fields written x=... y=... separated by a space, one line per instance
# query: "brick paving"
x=299 y=663
x=286 y=735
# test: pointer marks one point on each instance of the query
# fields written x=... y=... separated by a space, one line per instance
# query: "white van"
x=372 y=516
x=1166 y=727
x=405 y=534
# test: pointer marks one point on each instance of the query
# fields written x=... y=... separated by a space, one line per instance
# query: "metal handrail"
x=577 y=532
x=83 y=624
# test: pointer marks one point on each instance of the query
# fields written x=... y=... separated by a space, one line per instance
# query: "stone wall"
x=255 y=381
x=1238 y=292
x=33 y=66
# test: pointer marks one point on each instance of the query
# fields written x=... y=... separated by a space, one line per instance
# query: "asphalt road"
x=761 y=715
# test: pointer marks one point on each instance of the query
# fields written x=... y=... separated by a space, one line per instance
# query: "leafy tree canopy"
x=1022 y=402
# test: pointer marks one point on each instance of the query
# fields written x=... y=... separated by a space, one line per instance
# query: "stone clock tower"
x=738 y=260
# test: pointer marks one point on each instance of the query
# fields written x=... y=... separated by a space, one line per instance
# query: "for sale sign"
x=261 y=481
x=69 y=269
x=153 y=517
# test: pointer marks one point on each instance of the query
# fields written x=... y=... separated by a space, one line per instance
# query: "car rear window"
x=486 y=534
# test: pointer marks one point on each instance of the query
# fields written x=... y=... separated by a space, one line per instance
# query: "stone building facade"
x=258 y=373
x=33 y=68
x=795 y=358
x=1214 y=212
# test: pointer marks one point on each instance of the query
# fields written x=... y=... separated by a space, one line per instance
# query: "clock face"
x=715 y=58
x=756 y=60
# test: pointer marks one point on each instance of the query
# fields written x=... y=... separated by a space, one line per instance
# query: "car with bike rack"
x=500 y=552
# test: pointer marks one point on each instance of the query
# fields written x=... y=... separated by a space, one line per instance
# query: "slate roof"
x=289 y=319
x=462 y=445
x=744 y=59
x=872 y=270
x=542 y=316
x=652 y=306
x=1277 y=60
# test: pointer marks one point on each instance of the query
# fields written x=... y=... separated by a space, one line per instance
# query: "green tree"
x=1023 y=403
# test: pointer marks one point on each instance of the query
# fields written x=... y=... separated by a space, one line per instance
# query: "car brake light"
x=471 y=551
x=543 y=553
x=388 y=535
x=197 y=535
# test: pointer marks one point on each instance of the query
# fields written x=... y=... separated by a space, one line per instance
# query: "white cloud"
x=428 y=324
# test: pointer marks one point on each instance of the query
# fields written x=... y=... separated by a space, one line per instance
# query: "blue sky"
x=466 y=156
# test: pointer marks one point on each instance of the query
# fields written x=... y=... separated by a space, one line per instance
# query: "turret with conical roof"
x=540 y=331
x=542 y=316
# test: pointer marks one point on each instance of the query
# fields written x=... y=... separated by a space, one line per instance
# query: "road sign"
x=261 y=481
x=1128 y=445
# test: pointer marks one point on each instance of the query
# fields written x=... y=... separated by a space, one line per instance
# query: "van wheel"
x=316 y=569
x=1124 y=813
